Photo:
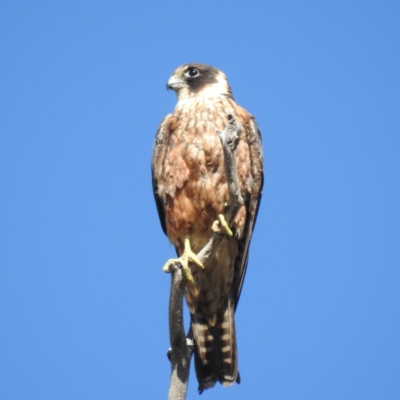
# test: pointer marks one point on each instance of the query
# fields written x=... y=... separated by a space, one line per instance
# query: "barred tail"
x=215 y=348
x=228 y=350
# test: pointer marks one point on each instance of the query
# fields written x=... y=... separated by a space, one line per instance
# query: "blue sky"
x=83 y=300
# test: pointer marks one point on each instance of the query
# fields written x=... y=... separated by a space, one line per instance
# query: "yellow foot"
x=184 y=259
x=221 y=223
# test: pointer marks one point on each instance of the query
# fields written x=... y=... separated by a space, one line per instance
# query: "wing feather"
x=252 y=204
x=159 y=152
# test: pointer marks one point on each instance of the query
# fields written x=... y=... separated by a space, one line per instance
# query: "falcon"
x=191 y=193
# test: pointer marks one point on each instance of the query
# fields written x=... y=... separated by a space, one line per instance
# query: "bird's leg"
x=221 y=223
x=184 y=260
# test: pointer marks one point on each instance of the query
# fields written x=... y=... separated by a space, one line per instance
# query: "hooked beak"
x=174 y=83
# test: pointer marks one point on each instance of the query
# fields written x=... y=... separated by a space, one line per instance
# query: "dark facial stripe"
x=207 y=76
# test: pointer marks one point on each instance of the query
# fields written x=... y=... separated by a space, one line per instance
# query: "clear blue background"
x=83 y=300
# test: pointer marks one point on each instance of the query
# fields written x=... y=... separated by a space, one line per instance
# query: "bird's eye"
x=192 y=72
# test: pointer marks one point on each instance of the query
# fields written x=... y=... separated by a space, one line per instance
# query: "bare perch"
x=181 y=346
x=181 y=351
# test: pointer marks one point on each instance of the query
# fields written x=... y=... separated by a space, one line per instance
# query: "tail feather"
x=207 y=360
x=215 y=348
x=229 y=365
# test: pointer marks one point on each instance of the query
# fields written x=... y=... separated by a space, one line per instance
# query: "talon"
x=184 y=260
x=224 y=225
x=168 y=265
x=221 y=223
x=215 y=227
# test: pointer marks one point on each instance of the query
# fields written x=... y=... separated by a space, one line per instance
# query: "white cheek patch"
x=218 y=88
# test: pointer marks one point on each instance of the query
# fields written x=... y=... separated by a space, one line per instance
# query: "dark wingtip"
x=238 y=379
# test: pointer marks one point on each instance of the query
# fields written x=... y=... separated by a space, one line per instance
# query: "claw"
x=221 y=223
x=184 y=260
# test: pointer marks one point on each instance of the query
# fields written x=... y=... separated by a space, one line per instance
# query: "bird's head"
x=193 y=80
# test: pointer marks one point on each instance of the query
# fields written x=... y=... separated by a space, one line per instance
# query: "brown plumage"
x=190 y=189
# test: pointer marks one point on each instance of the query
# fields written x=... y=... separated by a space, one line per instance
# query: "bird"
x=191 y=192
